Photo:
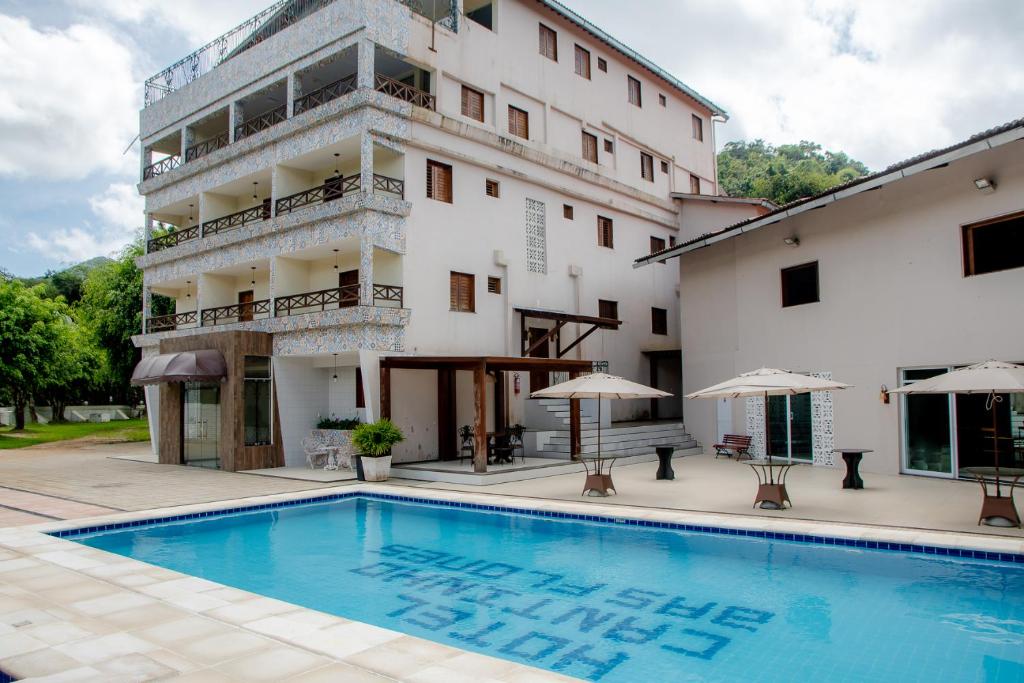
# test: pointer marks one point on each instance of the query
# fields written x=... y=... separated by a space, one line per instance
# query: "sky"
x=879 y=80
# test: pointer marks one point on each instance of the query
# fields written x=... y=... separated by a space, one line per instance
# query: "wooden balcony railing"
x=163 y=166
x=337 y=297
x=201 y=149
x=331 y=91
x=236 y=312
x=390 y=86
x=172 y=239
x=174 y=321
x=261 y=122
x=333 y=188
x=237 y=219
x=382 y=183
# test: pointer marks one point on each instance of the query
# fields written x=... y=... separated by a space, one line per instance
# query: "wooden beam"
x=500 y=402
x=580 y=338
x=610 y=323
x=447 y=429
x=575 y=436
x=480 y=421
x=550 y=333
x=385 y=392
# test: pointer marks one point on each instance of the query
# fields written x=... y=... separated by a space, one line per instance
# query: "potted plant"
x=373 y=442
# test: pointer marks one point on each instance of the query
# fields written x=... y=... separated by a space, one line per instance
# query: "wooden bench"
x=737 y=443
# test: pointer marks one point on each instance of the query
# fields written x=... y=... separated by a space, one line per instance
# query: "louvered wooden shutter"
x=518 y=122
x=461 y=292
x=634 y=91
x=548 y=42
x=589 y=147
x=439 y=181
x=604 y=232
x=472 y=103
x=582 y=62
x=646 y=166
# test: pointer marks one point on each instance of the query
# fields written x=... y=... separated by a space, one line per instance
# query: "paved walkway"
x=71 y=480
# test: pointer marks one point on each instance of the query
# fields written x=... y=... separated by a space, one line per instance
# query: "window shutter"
x=491 y=188
x=605 y=236
x=453 y=294
x=439 y=181
x=694 y=184
x=634 y=91
x=518 y=122
x=698 y=127
x=472 y=103
x=582 y=62
x=461 y=293
x=589 y=147
x=431 y=190
x=646 y=166
x=548 y=42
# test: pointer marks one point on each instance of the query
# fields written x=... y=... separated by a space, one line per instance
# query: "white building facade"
x=907 y=273
x=357 y=179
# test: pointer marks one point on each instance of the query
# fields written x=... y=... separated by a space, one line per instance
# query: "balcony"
x=240 y=202
x=163 y=166
x=262 y=110
x=336 y=297
x=172 y=239
x=236 y=313
x=237 y=219
x=403 y=91
x=174 y=321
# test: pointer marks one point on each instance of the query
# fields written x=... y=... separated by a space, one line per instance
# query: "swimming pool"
x=610 y=602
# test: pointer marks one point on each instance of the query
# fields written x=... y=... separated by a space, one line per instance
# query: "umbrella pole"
x=995 y=438
x=767 y=431
x=599 y=424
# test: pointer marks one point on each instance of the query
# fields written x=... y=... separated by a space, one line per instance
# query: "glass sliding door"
x=789 y=420
x=927 y=427
x=200 y=425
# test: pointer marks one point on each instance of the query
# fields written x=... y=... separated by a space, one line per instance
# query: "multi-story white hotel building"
x=350 y=180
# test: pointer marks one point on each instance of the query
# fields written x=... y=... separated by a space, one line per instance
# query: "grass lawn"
x=120 y=430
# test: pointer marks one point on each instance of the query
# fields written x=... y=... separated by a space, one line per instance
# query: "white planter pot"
x=376 y=469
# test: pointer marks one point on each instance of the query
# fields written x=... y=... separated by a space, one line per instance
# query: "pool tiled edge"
x=947 y=544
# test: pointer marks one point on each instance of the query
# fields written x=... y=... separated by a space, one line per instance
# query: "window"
x=646 y=166
x=518 y=122
x=602 y=65
x=483 y=15
x=671 y=240
x=800 y=285
x=567 y=211
x=657 y=244
x=548 y=42
x=694 y=184
x=604 y=232
x=439 y=181
x=609 y=146
x=634 y=91
x=664 y=167
x=494 y=285
x=462 y=295
x=994 y=245
x=608 y=309
x=472 y=103
x=492 y=188
x=662 y=100
x=582 y=62
x=360 y=397
x=256 y=397
x=698 y=127
x=659 y=321
x=589 y=147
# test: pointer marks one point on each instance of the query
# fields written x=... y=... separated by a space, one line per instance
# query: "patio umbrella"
x=993 y=377
x=599 y=385
x=767 y=382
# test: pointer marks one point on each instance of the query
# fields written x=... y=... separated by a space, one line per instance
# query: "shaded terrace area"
x=481 y=368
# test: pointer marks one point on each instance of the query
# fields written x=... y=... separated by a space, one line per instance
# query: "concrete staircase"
x=621 y=439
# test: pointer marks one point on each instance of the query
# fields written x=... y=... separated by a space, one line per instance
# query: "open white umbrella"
x=767 y=382
x=993 y=377
x=599 y=385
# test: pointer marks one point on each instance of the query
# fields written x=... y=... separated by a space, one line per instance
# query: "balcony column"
x=147 y=232
x=365 y=272
x=236 y=115
x=145 y=161
x=364 y=78
x=366 y=164
x=187 y=140
x=272 y=284
x=147 y=306
x=293 y=90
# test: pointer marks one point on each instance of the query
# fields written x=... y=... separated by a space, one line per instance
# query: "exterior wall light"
x=883 y=395
x=793 y=241
x=985 y=185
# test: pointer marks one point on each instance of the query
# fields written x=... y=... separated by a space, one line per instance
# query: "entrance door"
x=539 y=380
x=927 y=427
x=200 y=425
x=245 y=300
x=789 y=419
x=348 y=281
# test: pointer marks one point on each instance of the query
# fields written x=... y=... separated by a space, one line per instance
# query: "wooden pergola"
x=480 y=366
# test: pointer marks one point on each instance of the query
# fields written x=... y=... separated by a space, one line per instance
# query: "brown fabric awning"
x=184 y=366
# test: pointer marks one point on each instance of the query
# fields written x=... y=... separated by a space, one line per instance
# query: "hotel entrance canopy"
x=184 y=366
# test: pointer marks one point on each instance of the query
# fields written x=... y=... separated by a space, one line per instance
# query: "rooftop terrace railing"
x=254 y=31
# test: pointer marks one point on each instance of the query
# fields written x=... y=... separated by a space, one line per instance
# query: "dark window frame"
x=493 y=284
x=592 y=147
x=659 y=320
x=697 y=126
x=968 y=237
x=260 y=390
x=606 y=308
x=602 y=64
x=791 y=298
x=488 y=184
x=568 y=212
x=605 y=232
x=634 y=89
x=545 y=33
x=647 y=166
x=582 y=61
x=445 y=184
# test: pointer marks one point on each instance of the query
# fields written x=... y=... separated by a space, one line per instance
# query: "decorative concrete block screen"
x=536 y=237
x=822 y=424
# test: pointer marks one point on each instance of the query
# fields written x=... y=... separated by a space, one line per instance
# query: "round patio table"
x=852 y=458
x=771 y=482
x=599 y=474
x=998 y=506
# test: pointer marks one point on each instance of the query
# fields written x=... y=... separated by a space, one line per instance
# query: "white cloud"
x=118 y=213
x=69 y=101
x=199 y=20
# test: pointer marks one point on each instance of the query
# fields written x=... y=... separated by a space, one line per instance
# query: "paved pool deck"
x=70 y=612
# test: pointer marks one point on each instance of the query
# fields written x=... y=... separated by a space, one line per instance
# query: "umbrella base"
x=998 y=508
x=601 y=483
x=772 y=497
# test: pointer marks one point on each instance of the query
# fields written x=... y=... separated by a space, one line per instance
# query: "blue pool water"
x=608 y=602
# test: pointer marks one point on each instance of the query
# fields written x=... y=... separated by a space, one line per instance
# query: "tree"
x=785 y=173
x=73 y=370
x=33 y=332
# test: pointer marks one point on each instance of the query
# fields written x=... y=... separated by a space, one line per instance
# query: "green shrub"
x=333 y=422
x=376 y=438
